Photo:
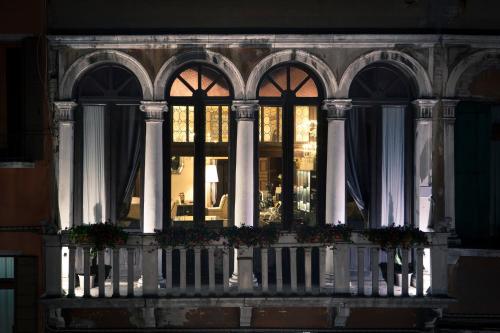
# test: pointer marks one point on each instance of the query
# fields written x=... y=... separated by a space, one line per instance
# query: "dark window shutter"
x=33 y=100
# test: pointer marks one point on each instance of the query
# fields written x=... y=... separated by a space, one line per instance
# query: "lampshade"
x=211 y=174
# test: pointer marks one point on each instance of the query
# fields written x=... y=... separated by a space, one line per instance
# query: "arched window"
x=199 y=131
x=289 y=133
x=108 y=146
x=379 y=147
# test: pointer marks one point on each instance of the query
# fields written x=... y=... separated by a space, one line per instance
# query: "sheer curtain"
x=393 y=166
x=95 y=200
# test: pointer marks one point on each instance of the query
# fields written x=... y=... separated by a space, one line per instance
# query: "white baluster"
x=225 y=267
x=322 y=271
x=293 y=269
x=168 y=254
x=86 y=272
x=341 y=269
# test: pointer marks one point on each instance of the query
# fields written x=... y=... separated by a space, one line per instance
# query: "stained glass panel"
x=182 y=123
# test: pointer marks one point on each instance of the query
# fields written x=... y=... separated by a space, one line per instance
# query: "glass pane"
x=221 y=88
x=225 y=123
x=270 y=164
x=217 y=190
x=304 y=183
x=297 y=75
x=270 y=124
x=7 y=310
x=181 y=193
x=212 y=123
x=309 y=89
x=191 y=77
x=182 y=123
x=180 y=89
x=267 y=89
x=279 y=76
x=6 y=267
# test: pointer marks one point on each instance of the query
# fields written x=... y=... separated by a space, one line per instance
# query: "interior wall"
x=183 y=182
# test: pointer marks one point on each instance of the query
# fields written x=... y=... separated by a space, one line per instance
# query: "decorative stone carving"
x=64 y=110
x=336 y=108
x=154 y=110
x=449 y=106
x=424 y=108
x=245 y=110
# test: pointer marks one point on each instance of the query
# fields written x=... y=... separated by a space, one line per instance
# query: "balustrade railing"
x=140 y=268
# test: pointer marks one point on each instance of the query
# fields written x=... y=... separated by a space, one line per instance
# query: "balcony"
x=285 y=274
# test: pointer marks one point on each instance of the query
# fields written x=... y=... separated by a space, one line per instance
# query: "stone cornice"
x=424 y=108
x=449 y=106
x=269 y=40
x=245 y=109
x=336 y=108
x=64 y=110
x=154 y=110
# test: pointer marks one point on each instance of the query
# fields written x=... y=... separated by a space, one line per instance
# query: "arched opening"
x=379 y=147
x=199 y=145
x=290 y=139
x=108 y=146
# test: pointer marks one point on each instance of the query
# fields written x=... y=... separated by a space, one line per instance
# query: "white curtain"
x=393 y=175
x=95 y=201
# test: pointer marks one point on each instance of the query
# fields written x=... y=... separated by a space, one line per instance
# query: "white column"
x=153 y=165
x=64 y=111
x=449 y=106
x=335 y=160
x=335 y=172
x=244 y=188
x=66 y=127
x=245 y=112
x=423 y=163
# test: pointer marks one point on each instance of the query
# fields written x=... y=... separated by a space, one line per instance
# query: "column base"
x=233 y=281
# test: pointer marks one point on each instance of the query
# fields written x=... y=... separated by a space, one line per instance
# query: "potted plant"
x=97 y=236
x=326 y=234
x=250 y=236
x=198 y=235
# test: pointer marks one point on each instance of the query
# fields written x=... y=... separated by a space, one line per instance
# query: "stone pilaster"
x=153 y=165
x=66 y=128
x=423 y=162
x=449 y=106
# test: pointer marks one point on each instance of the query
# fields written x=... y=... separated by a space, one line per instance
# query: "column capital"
x=64 y=110
x=449 y=106
x=424 y=107
x=336 y=108
x=245 y=109
x=154 y=110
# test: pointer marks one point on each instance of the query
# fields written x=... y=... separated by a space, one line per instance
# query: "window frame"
x=287 y=101
x=197 y=148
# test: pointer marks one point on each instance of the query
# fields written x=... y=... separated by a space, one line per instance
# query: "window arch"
x=108 y=150
x=290 y=132
x=198 y=137
x=379 y=147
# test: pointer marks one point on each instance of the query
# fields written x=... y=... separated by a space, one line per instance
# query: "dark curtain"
x=125 y=149
x=358 y=158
